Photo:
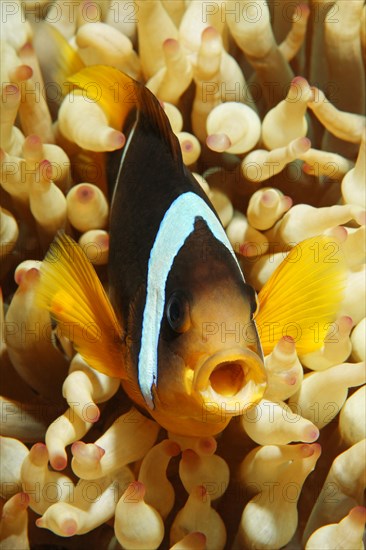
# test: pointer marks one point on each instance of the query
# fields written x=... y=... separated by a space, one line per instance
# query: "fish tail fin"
x=117 y=94
x=303 y=295
x=71 y=291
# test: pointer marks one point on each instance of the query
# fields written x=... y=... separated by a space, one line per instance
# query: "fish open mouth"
x=227 y=378
x=234 y=379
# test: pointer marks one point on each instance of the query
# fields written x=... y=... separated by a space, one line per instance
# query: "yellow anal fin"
x=71 y=291
x=303 y=295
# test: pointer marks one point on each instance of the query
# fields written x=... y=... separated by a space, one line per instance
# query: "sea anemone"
x=267 y=100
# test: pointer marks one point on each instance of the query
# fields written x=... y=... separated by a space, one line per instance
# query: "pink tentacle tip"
x=310 y=434
x=58 y=462
x=317 y=449
x=287 y=202
x=244 y=248
x=171 y=45
x=116 y=140
x=299 y=81
x=172 y=448
x=304 y=9
x=301 y=145
x=198 y=538
x=218 y=142
x=87 y=451
x=89 y=5
x=345 y=323
x=33 y=141
x=11 y=90
x=39 y=445
x=39 y=453
x=307 y=450
x=340 y=233
x=287 y=344
x=69 y=527
x=207 y=445
x=19 y=276
x=45 y=170
x=301 y=85
x=103 y=242
x=138 y=489
x=27 y=49
x=291 y=380
x=307 y=169
x=305 y=143
x=186 y=146
x=92 y=412
x=22 y=73
x=269 y=197
x=78 y=449
x=209 y=33
x=100 y=450
x=85 y=193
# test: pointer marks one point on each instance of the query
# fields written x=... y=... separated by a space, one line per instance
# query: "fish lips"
x=233 y=379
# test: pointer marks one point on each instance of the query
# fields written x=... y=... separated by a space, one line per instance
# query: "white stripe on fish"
x=175 y=228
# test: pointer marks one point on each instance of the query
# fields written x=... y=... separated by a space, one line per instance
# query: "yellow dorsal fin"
x=114 y=91
x=72 y=292
x=303 y=295
x=117 y=94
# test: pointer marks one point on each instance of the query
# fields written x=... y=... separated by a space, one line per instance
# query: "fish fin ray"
x=312 y=300
x=73 y=294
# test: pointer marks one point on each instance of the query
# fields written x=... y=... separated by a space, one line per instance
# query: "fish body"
x=168 y=250
x=178 y=325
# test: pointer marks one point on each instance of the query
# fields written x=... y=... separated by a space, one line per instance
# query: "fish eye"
x=177 y=312
x=255 y=306
x=253 y=301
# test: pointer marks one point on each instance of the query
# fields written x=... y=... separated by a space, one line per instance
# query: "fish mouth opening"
x=231 y=379
x=227 y=378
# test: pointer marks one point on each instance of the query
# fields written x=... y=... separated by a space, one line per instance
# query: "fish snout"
x=232 y=379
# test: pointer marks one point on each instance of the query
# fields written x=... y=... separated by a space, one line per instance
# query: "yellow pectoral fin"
x=302 y=296
x=71 y=291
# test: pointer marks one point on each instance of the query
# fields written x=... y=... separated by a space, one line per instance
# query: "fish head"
x=210 y=365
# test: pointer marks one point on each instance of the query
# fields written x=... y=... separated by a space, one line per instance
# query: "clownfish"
x=180 y=326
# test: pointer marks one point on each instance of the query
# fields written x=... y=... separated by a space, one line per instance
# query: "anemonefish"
x=180 y=325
